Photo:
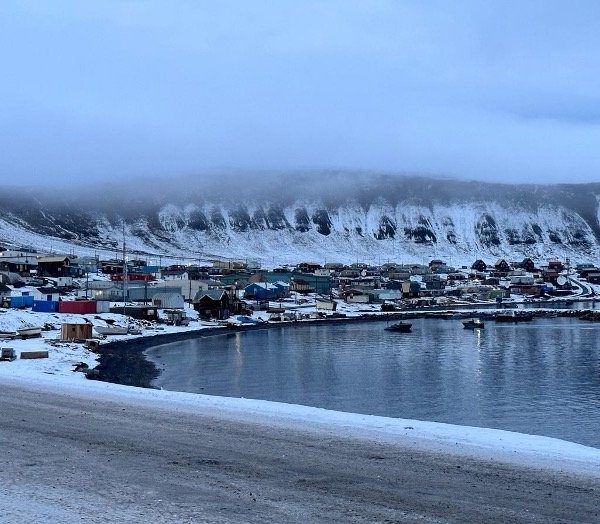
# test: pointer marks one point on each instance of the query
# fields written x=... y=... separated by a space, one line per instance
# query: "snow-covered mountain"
x=330 y=217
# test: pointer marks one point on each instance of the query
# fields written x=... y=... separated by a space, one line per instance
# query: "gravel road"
x=69 y=459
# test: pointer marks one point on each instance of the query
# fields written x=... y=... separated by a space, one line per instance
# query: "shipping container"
x=21 y=302
x=81 y=307
x=102 y=306
x=168 y=300
x=45 y=306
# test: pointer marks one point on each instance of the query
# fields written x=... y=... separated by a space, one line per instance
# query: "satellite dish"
x=561 y=281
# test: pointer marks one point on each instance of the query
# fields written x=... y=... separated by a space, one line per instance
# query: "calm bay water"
x=541 y=377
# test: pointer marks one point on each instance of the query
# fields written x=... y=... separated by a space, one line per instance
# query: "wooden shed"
x=75 y=331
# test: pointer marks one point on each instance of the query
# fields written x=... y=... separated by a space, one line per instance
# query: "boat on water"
x=400 y=327
x=513 y=316
x=473 y=323
x=29 y=332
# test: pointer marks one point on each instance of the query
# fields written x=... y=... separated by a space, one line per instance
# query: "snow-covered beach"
x=56 y=374
x=97 y=452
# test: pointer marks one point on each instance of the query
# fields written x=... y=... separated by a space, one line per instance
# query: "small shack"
x=212 y=303
x=46 y=293
x=137 y=312
x=75 y=331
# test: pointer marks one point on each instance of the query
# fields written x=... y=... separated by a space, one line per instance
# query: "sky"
x=112 y=90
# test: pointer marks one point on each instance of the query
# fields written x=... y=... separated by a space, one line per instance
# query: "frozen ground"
x=75 y=450
x=55 y=373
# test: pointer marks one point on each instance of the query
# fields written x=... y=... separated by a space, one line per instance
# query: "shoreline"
x=124 y=361
x=521 y=450
x=501 y=446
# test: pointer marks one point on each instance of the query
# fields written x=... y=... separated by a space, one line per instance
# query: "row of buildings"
x=221 y=289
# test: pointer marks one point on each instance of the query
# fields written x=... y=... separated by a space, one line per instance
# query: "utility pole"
x=124 y=272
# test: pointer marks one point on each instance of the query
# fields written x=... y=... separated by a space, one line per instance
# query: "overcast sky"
x=488 y=90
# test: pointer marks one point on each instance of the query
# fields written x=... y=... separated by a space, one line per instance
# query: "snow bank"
x=482 y=443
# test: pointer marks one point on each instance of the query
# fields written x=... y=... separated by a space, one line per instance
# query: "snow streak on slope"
x=385 y=232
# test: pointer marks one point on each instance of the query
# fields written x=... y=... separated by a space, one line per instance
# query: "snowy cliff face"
x=368 y=219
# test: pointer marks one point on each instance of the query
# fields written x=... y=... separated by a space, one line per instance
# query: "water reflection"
x=541 y=377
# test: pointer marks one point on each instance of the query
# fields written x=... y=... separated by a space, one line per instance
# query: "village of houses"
x=62 y=307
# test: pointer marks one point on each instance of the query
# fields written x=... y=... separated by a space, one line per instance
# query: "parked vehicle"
x=8 y=354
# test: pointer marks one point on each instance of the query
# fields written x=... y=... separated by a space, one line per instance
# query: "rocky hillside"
x=341 y=217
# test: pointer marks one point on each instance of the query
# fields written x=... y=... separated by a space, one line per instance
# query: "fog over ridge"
x=106 y=91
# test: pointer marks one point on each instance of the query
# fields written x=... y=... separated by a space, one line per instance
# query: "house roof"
x=213 y=294
x=166 y=294
x=300 y=282
x=48 y=290
x=210 y=282
x=263 y=285
x=52 y=259
x=27 y=260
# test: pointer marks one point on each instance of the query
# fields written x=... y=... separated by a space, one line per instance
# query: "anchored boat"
x=513 y=316
x=400 y=327
x=473 y=323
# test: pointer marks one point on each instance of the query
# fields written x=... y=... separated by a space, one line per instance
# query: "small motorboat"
x=29 y=332
x=400 y=327
x=111 y=330
x=513 y=316
x=473 y=323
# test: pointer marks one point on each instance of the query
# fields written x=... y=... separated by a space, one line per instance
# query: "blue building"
x=265 y=291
